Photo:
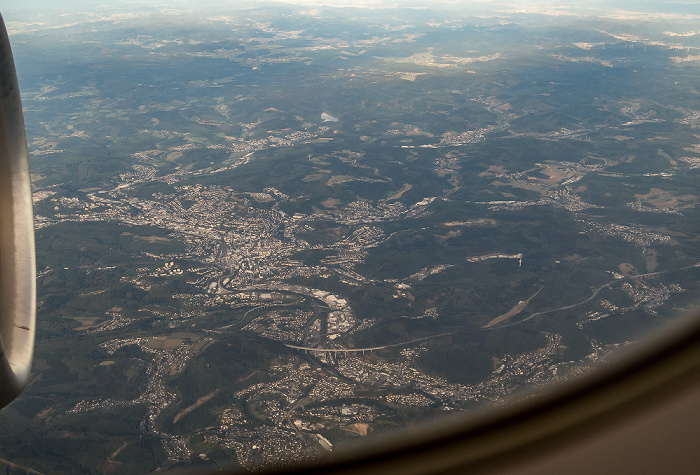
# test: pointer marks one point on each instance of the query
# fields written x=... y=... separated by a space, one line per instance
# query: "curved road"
x=597 y=291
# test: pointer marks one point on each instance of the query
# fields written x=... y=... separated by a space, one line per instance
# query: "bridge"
x=346 y=351
x=314 y=350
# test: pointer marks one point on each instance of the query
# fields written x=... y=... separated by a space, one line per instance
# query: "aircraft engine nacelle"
x=17 y=266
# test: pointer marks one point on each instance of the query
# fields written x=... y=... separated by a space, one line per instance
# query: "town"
x=263 y=242
x=244 y=255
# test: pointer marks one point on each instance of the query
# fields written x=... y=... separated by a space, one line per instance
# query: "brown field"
x=162 y=343
x=627 y=269
x=667 y=199
x=534 y=186
x=338 y=179
x=194 y=406
x=472 y=222
x=494 y=170
x=313 y=177
x=172 y=156
x=152 y=239
x=85 y=323
x=358 y=428
x=652 y=262
x=169 y=342
x=406 y=187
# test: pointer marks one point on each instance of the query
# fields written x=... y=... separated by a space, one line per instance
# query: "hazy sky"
x=51 y=10
x=691 y=6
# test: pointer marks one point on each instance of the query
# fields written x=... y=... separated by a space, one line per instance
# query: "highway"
x=362 y=350
x=597 y=291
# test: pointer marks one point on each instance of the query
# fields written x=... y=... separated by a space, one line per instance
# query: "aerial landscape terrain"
x=264 y=231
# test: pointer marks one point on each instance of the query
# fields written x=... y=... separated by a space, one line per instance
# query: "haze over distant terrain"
x=266 y=230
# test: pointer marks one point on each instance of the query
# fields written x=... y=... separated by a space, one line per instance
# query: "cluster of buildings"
x=155 y=397
x=468 y=137
x=253 y=145
x=287 y=325
x=363 y=212
x=652 y=209
x=645 y=294
x=637 y=235
x=243 y=254
x=116 y=320
x=302 y=401
x=265 y=446
x=485 y=257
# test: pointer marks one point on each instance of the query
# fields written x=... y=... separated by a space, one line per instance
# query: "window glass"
x=264 y=230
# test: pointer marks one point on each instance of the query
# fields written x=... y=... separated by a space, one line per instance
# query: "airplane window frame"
x=650 y=375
